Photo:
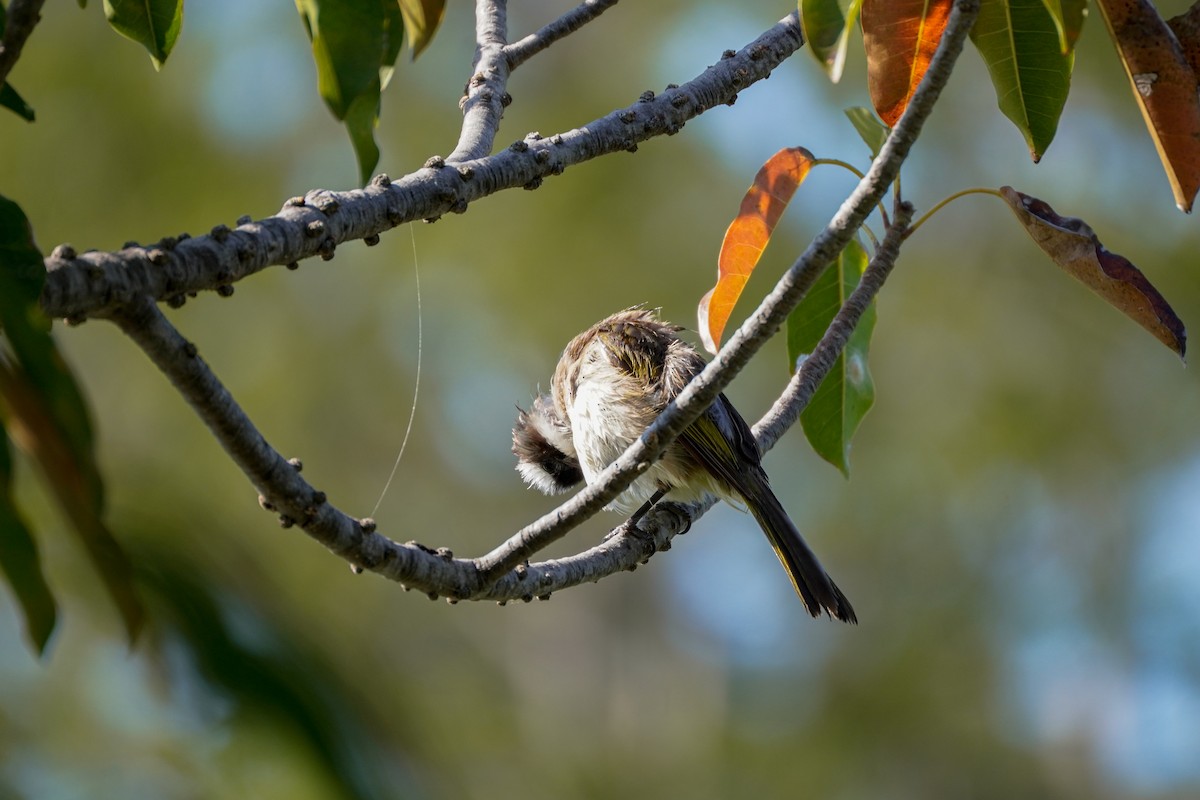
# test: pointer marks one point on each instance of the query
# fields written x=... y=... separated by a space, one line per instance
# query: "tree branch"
x=761 y=325
x=22 y=17
x=519 y=52
x=283 y=490
x=81 y=285
x=486 y=95
x=799 y=392
x=501 y=575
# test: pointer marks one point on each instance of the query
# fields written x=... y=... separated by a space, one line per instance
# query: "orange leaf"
x=747 y=237
x=1072 y=244
x=1165 y=88
x=900 y=37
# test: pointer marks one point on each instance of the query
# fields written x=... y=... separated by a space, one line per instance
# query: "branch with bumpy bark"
x=503 y=574
x=126 y=286
x=435 y=571
x=85 y=284
x=485 y=96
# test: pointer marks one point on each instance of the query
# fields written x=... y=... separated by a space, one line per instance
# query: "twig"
x=23 y=16
x=485 y=96
x=521 y=51
x=761 y=325
x=81 y=285
x=795 y=398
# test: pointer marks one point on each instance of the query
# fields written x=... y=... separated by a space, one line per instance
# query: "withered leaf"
x=1074 y=246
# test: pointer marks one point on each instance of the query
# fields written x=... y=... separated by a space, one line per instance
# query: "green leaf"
x=13 y=102
x=822 y=22
x=847 y=393
x=154 y=24
x=393 y=42
x=83 y=3
x=869 y=127
x=355 y=47
x=827 y=32
x=19 y=560
x=22 y=274
x=421 y=20
x=361 y=120
x=1068 y=16
x=1032 y=76
x=45 y=413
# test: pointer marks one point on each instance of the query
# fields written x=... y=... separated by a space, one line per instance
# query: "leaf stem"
x=837 y=162
x=945 y=202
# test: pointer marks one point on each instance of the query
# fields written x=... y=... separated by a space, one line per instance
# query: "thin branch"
x=795 y=398
x=486 y=96
x=23 y=16
x=81 y=285
x=761 y=325
x=521 y=51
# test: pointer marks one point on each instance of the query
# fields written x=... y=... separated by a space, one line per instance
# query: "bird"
x=611 y=382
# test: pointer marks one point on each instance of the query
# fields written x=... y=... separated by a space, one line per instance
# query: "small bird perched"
x=611 y=382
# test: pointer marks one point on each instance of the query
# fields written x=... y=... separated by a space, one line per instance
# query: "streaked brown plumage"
x=611 y=382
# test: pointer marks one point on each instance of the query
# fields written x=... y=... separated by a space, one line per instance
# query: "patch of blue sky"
x=261 y=80
x=1135 y=699
x=733 y=601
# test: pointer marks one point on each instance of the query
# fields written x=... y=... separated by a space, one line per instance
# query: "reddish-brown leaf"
x=1165 y=87
x=1072 y=244
x=900 y=37
x=747 y=237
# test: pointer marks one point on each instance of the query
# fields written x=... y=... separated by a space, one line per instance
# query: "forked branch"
x=503 y=574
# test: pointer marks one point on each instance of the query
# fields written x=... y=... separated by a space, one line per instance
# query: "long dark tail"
x=809 y=579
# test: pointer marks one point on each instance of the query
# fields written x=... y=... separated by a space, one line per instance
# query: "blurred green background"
x=1021 y=536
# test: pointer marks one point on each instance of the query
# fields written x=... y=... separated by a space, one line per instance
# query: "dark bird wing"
x=724 y=444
